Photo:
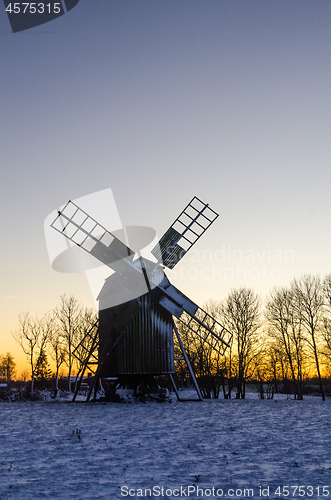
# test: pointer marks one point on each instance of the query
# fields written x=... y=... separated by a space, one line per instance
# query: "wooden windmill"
x=138 y=304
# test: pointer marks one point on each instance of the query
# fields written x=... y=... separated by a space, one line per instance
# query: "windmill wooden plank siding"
x=144 y=347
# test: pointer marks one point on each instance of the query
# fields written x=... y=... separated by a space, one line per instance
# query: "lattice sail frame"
x=196 y=319
x=185 y=231
x=207 y=328
x=80 y=228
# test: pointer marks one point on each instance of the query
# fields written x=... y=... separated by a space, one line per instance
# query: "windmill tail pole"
x=188 y=363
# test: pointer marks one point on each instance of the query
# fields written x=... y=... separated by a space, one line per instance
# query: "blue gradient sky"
x=163 y=100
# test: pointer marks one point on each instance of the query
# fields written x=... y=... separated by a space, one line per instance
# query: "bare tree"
x=326 y=329
x=25 y=375
x=274 y=364
x=241 y=314
x=227 y=371
x=57 y=352
x=326 y=335
x=191 y=345
x=309 y=306
x=33 y=335
x=264 y=374
x=204 y=352
x=7 y=367
x=285 y=328
x=68 y=318
x=221 y=360
x=87 y=329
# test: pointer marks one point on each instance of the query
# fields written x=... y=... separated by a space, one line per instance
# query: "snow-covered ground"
x=57 y=450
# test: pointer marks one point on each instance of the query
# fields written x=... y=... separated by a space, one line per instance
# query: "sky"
x=161 y=101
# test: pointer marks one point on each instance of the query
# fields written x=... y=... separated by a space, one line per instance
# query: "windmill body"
x=145 y=345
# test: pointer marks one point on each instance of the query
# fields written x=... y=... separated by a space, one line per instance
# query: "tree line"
x=57 y=334
x=7 y=367
x=283 y=340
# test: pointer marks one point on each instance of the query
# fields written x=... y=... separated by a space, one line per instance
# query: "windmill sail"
x=189 y=226
x=196 y=319
x=81 y=229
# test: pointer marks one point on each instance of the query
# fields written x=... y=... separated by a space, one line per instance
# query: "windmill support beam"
x=78 y=382
x=194 y=379
x=84 y=364
x=174 y=386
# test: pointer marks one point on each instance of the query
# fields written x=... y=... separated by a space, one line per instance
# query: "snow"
x=54 y=450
